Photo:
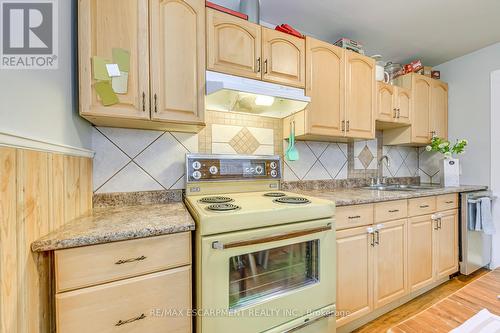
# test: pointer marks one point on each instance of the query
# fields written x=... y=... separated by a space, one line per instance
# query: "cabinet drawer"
x=139 y=304
x=391 y=210
x=354 y=216
x=91 y=265
x=447 y=202
x=421 y=206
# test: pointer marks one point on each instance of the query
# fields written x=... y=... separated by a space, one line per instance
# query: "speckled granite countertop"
x=357 y=196
x=112 y=224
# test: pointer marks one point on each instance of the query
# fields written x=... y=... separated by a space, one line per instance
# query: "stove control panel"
x=201 y=167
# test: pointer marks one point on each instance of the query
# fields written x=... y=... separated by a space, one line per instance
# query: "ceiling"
x=434 y=31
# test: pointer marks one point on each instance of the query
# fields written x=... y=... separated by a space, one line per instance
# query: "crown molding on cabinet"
x=16 y=141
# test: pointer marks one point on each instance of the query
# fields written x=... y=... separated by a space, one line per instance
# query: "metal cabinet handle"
x=433 y=134
x=449 y=202
x=372 y=243
x=156 y=103
x=343 y=125
x=439 y=223
x=399 y=113
x=436 y=227
x=126 y=261
x=354 y=217
x=394 y=211
x=258 y=65
x=299 y=233
x=128 y=321
x=377 y=237
x=348 y=125
x=424 y=206
x=143 y=101
x=265 y=66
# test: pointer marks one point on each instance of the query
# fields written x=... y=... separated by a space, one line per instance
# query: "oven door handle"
x=299 y=233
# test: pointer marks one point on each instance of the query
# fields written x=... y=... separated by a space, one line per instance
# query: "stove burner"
x=223 y=207
x=215 y=200
x=292 y=200
x=274 y=194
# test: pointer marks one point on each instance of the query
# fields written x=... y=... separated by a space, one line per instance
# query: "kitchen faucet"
x=380 y=179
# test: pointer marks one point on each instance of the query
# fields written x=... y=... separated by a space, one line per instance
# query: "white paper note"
x=120 y=83
x=113 y=70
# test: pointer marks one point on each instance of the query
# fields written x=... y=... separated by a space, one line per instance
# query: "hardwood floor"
x=392 y=318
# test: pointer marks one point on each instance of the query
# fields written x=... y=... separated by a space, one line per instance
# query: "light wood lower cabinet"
x=420 y=256
x=354 y=274
x=139 y=304
x=446 y=244
x=393 y=249
x=389 y=268
x=139 y=285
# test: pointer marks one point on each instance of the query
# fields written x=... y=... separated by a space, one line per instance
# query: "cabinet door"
x=389 y=267
x=102 y=26
x=325 y=85
x=386 y=109
x=360 y=96
x=446 y=252
x=420 y=254
x=421 y=96
x=403 y=105
x=354 y=274
x=439 y=109
x=233 y=45
x=284 y=58
x=178 y=60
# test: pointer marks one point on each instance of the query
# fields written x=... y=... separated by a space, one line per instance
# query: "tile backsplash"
x=129 y=160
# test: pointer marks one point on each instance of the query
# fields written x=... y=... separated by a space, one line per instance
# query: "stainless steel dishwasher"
x=475 y=246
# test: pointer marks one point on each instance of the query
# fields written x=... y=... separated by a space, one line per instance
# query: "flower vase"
x=450 y=172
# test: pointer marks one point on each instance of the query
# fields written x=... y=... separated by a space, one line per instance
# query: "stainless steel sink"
x=399 y=187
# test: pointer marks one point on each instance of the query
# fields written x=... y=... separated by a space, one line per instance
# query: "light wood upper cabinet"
x=420 y=252
x=233 y=45
x=386 y=110
x=178 y=60
x=403 y=105
x=102 y=26
x=390 y=262
x=446 y=250
x=422 y=87
x=354 y=273
x=166 y=44
x=360 y=96
x=284 y=58
x=393 y=105
x=439 y=109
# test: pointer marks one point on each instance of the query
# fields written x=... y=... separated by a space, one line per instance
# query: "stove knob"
x=213 y=170
x=196 y=175
x=259 y=170
x=273 y=165
x=274 y=173
x=196 y=165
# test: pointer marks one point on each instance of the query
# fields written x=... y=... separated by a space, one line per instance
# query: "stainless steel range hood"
x=236 y=94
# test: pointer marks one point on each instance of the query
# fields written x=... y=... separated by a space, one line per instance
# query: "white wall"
x=468 y=78
x=495 y=162
x=42 y=104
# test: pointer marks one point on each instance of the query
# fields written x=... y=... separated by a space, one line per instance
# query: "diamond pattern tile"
x=131 y=141
x=244 y=142
x=366 y=157
x=130 y=179
x=333 y=159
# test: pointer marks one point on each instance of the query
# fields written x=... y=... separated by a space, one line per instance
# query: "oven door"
x=254 y=280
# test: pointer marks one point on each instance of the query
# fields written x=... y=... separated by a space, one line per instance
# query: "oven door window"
x=258 y=275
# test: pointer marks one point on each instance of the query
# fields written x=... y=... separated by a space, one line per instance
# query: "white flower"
x=428 y=148
x=465 y=141
x=447 y=154
x=444 y=145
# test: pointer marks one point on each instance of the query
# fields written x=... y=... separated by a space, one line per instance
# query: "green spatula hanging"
x=292 y=154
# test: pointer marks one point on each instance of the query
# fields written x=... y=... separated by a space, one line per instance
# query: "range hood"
x=236 y=94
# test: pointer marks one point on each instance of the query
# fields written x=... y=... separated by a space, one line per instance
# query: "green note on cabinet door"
x=106 y=93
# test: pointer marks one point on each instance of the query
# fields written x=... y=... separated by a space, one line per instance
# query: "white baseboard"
x=21 y=142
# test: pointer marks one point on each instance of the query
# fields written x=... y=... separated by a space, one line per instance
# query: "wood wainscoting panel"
x=39 y=192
